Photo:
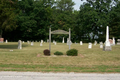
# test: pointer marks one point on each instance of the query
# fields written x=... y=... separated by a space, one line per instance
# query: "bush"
x=58 y=53
x=72 y=52
x=46 y=52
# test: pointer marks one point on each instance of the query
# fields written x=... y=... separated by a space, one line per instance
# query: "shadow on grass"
x=11 y=46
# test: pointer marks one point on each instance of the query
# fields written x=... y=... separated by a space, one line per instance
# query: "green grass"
x=31 y=58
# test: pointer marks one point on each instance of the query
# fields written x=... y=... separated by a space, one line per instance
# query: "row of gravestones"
x=68 y=43
x=32 y=43
x=90 y=44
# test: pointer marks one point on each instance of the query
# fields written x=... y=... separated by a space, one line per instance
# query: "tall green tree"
x=7 y=15
x=65 y=5
x=33 y=20
x=93 y=18
x=115 y=21
x=63 y=17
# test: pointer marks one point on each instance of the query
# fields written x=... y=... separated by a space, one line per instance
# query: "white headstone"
x=90 y=45
x=95 y=43
x=55 y=43
x=6 y=41
x=32 y=43
x=81 y=43
x=63 y=40
x=113 y=41
x=28 y=42
x=41 y=41
x=23 y=41
x=41 y=44
x=19 y=44
x=101 y=44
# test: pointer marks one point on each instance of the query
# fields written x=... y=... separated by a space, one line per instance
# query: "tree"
x=33 y=20
x=7 y=16
x=115 y=21
x=62 y=17
x=93 y=18
x=65 y=5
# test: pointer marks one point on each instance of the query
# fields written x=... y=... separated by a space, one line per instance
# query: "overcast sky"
x=78 y=3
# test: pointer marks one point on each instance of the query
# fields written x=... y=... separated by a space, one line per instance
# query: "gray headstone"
x=118 y=41
x=41 y=44
x=28 y=42
x=95 y=43
x=69 y=42
x=47 y=40
x=19 y=44
x=101 y=44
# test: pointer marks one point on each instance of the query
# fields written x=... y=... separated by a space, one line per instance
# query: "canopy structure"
x=58 y=32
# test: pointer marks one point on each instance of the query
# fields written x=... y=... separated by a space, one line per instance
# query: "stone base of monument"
x=107 y=48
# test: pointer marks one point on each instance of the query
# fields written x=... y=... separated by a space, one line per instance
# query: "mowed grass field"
x=31 y=58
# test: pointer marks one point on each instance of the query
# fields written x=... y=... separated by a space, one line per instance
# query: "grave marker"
x=118 y=43
x=55 y=43
x=63 y=40
x=90 y=45
x=107 y=46
x=113 y=41
x=81 y=43
x=41 y=44
x=95 y=43
x=101 y=44
x=28 y=42
x=19 y=44
x=6 y=41
x=41 y=41
x=32 y=43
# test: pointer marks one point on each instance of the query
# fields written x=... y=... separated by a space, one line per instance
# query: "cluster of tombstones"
x=112 y=42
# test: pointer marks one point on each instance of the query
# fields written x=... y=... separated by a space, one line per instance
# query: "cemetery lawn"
x=31 y=58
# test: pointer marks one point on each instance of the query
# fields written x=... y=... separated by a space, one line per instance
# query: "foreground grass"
x=31 y=58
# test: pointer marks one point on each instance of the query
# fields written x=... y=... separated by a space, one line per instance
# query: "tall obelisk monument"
x=107 y=46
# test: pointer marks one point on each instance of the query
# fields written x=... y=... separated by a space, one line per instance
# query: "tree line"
x=31 y=19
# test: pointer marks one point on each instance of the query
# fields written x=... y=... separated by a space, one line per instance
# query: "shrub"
x=46 y=52
x=58 y=53
x=72 y=52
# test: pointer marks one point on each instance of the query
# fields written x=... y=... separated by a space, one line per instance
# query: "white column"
x=63 y=40
x=107 y=43
x=50 y=39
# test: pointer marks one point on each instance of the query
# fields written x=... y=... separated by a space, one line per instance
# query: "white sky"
x=78 y=3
